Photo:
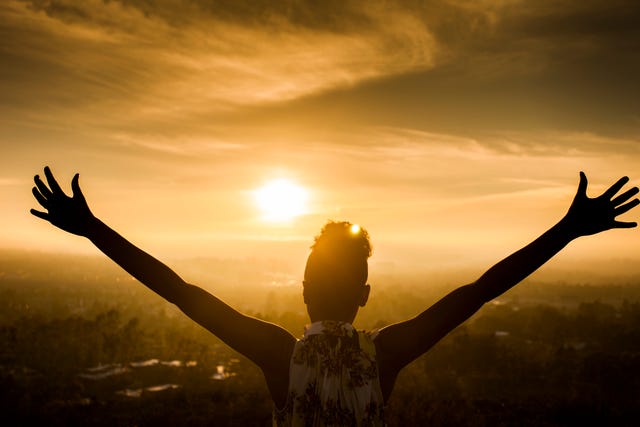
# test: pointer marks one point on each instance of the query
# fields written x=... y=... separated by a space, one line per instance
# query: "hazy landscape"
x=453 y=131
x=84 y=344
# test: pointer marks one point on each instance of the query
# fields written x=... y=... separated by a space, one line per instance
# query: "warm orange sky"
x=453 y=130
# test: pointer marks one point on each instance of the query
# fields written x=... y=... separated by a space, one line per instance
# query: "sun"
x=281 y=200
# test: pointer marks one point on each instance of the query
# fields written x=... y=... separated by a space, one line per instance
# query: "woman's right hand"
x=71 y=214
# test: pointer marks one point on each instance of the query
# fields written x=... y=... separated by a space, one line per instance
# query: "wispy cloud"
x=187 y=146
x=135 y=64
x=123 y=61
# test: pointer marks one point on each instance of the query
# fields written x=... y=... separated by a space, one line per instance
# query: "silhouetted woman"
x=334 y=375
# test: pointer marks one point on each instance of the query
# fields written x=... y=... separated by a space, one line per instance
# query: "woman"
x=334 y=375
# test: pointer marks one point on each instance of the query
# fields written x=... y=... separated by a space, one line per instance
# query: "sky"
x=452 y=130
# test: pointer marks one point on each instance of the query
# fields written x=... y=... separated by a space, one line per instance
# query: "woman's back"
x=333 y=379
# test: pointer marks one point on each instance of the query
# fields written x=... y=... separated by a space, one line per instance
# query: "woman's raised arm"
x=266 y=344
x=401 y=343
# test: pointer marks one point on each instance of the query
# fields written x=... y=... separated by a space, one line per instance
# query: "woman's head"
x=335 y=277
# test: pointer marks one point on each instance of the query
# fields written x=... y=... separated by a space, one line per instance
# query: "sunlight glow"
x=355 y=229
x=281 y=200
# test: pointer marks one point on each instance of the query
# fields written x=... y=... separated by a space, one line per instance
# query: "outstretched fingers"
x=621 y=202
x=44 y=190
x=621 y=224
x=39 y=197
x=615 y=188
x=626 y=207
x=625 y=196
x=53 y=184
x=39 y=214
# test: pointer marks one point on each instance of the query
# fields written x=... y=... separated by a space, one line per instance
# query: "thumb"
x=75 y=187
x=582 y=186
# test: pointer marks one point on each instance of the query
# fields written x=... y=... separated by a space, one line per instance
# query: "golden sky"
x=453 y=130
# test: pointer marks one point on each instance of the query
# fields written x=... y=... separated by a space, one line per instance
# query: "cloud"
x=117 y=61
x=397 y=143
x=186 y=146
x=402 y=170
x=190 y=69
x=518 y=35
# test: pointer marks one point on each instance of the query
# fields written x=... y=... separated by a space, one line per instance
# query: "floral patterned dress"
x=333 y=379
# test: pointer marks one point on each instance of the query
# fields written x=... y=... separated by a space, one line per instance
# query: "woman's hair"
x=345 y=237
x=339 y=256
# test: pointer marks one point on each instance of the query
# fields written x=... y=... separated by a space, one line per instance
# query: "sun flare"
x=281 y=200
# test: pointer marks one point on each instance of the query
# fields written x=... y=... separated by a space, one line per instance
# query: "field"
x=83 y=344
